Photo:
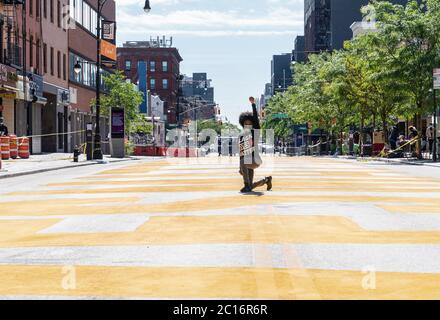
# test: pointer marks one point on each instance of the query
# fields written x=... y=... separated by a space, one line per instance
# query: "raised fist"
x=252 y=100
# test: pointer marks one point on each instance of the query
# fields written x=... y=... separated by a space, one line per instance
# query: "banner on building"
x=108 y=52
x=109 y=31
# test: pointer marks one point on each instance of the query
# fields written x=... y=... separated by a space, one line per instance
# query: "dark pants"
x=248 y=177
x=393 y=144
x=431 y=145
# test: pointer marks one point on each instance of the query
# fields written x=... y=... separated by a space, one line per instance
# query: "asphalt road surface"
x=178 y=228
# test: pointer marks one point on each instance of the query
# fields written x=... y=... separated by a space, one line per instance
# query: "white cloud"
x=212 y=23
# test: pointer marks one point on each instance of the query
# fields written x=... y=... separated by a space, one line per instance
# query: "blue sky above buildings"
x=232 y=40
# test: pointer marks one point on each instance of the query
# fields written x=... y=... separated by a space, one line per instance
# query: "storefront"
x=29 y=108
x=56 y=119
x=8 y=91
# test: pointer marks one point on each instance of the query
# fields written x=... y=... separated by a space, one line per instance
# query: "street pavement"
x=178 y=228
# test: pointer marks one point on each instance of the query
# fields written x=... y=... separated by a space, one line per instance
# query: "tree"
x=410 y=39
x=120 y=93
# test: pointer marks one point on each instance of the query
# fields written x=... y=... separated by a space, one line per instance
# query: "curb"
x=25 y=173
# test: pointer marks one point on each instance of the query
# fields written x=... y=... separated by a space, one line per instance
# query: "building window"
x=31 y=7
x=152 y=66
x=59 y=64
x=127 y=65
x=165 y=66
x=37 y=8
x=51 y=10
x=64 y=67
x=44 y=58
x=38 y=55
x=31 y=51
x=84 y=14
x=165 y=84
x=152 y=84
x=45 y=8
x=87 y=75
x=59 y=14
x=51 y=61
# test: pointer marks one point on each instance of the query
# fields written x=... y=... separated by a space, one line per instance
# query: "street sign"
x=436 y=75
x=301 y=129
x=280 y=116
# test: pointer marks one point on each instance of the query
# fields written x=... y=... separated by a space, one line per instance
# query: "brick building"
x=163 y=69
x=82 y=48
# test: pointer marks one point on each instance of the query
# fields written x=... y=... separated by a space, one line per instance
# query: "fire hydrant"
x=76 y=154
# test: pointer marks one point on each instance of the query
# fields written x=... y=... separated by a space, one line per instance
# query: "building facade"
x=54 y=68
x=82 y=44
x=327 y=22
x=281 y=72
x=197 y=92
x=163 y=70
x=299 y=54
x=9 y=63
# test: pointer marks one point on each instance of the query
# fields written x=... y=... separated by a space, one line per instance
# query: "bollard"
x=76 y=154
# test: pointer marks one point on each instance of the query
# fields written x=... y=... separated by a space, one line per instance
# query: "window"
x=152 y=66
x=87 y=75
x=45 y=8
x=44 y=58
x=86 y=16
x=127 y=65
x=51 y=61
x=38 y=55
x=51 y=10
x=64 y=67
x=165 y=84
x=59 y=14
x=152 y=84
x=165 y=66
x=37 y=8
x=93 y=21
x=78 y=11
x=59 y=64
x=31 y=51
x=31 y=7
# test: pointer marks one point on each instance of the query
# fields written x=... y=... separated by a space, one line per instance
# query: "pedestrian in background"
x=3 y=128
x=394 y=136
x=219 y=145
x=414 y=134
x=430 y=136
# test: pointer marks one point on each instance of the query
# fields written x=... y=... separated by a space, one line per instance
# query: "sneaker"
x=269 y=183
x=246 y=189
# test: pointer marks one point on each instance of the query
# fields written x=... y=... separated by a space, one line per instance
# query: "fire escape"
x=10 y=53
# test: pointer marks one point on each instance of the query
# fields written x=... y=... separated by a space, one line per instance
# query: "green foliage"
x=215 y=125
x=121 y=94
x=376 y=78
x=141 y=125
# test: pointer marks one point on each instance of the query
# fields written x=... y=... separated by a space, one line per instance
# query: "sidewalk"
x=411 y=161
x=48 y=162
x=397 y=161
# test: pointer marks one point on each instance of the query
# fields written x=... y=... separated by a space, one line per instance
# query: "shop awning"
x=8 y=88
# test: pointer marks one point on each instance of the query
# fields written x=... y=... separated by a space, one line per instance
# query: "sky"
x=232 y=40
